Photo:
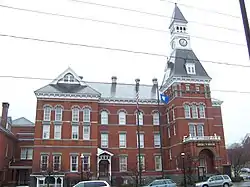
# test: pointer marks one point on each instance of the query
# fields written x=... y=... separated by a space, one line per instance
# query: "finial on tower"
x=177 y=16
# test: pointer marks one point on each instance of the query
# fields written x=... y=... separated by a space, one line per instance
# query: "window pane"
x=156 y=120
x=157 y=140
x=47 y=113
x=75 y=115
x=104 y=140
x=104 y=117
x=122 y=118
x=122 y=140
x=58 y=114
x=86 y=132
x=192 y=131
x=86 y=115
x=46 y=131
x=75 y=131
x=57 y=132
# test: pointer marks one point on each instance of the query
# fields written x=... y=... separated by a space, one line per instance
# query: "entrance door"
x=104 y=168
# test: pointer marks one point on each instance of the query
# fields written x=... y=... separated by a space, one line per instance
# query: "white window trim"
x=170 y=154
x=160 y=168
x=60 y=162
x=26 y=150
x=142 y=162
x=194 y=126
x=45 y=110
x=72 y=163
x=123 y=164
x=60 y=131
x=194 y=111
x=75 y=114
x=173 y=113
x=169 y=132
x=156 y=119
x=200 y=125
x=86 y=115
x=86 y=136
x=41 y=162
x=190 y=67
x=140 y=118
x=158 y=138
x=122 y=118
x=60 y=113
x=202 y=111
x=44 y=131
x=104 y=140
x=174 y=127
x=104 y=117
x=77 y=131
x=141 y=140
x=187 y=111
x=121 y=145
x=82 y=162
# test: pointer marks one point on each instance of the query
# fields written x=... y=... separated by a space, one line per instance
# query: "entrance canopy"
x=100 y=152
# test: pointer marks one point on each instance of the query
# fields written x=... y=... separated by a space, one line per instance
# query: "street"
x=242 y=184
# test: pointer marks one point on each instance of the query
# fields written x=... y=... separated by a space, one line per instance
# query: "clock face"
x=183 y=42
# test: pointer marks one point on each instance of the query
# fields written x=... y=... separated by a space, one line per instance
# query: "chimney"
x=114 y=79
x=155 y=81
x=5 y=108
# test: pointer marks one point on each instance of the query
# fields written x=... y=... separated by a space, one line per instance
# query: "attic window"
x=69 y=78
x=190 y=68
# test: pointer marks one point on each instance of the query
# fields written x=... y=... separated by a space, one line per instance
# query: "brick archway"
x=206 y=160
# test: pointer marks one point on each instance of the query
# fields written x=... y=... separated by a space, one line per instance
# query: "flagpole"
x=160 y=130
x=138 y=128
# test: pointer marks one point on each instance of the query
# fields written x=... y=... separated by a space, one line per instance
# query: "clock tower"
x=180 y=38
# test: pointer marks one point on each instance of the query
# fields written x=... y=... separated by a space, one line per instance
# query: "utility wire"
x=49 y=79
x=154 y=14
x=203 y=9
x=117 y=49
x=113 y=23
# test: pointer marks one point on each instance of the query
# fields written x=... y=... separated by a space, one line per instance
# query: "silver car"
x=162 y=183
x=94 y=183
x=216 y=181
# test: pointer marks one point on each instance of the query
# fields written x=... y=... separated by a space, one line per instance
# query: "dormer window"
x=190 y=67
x=69 y=78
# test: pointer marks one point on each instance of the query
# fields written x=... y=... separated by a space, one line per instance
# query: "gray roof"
x=65 y=88
x=180 y=58
x=178 y=16
x=22 y=121
x=105 y=90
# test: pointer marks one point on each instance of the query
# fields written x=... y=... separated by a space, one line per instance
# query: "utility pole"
x=245 y=23
x=138 y=130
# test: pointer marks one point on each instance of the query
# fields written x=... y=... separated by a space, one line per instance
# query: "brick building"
x=91 y=126
x=16 y=137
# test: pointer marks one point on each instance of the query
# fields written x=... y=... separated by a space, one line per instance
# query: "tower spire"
x=177 y=16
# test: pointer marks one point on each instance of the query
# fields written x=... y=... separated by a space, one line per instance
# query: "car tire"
x=205 y=185
x=225 y=185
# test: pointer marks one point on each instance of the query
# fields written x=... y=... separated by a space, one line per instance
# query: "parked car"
x=162 y=183
x=216 y=180
x=94 y=183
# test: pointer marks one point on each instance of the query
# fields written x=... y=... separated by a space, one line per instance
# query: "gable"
x=22 y=122
x=68 y=77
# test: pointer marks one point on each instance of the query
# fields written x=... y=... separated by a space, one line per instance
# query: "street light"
x=184 y=169
x=82 y=157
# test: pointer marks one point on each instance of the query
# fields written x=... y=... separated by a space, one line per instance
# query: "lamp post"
x=184 y=169
x=82 y=157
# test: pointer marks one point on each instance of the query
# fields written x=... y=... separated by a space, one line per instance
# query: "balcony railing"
x=201 y=138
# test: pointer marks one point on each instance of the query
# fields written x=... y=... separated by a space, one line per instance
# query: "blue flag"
x=164 y=98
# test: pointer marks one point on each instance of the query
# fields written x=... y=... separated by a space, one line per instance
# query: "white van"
x=94 y=183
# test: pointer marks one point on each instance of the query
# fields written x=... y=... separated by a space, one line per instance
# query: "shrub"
x=237 y=179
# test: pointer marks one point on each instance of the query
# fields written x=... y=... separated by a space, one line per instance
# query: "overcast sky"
x=47 y=60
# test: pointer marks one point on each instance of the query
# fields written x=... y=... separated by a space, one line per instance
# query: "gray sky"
x=47 y=60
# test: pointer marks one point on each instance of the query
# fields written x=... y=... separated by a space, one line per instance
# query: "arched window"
x=104 y=117
x=75 y=114
x=202 y=111
x=194 y=111
x=58 y=113
x=122 y=118
x=140 y=118
x=69 y=78
x=156 y=118
x=86 y=115
x=47 y=113
x=187 y=111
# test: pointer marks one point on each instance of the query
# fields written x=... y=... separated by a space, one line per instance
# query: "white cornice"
x=66 y=96
x=189 y=80
x=216 y=102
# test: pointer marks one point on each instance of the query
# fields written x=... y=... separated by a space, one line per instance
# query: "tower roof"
x=178 y=61
x=177 y=16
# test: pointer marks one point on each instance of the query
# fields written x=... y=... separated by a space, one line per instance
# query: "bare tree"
x=239 y=156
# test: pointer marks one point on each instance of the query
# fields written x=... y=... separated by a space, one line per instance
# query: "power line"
x=49 y=79
x=113 y=23
x=206 y=10
x=117 y=49
x=154 y=14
